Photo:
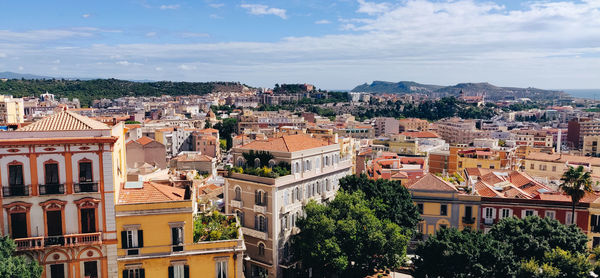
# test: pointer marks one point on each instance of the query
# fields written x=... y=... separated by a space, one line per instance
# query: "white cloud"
x=215 y=16
x=187 y=67
x=21 y=68
x=3 y=55
x=216 y=5
x=258 y=9
x=194 y=35
x=170 y=7
x=57 y=61
x=322 y=21
x=158 y=69
x=151 y=34
x=127 y=63
x=372 y=8
x=86 y=15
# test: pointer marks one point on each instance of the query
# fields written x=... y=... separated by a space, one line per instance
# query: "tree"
x=16 y=266
x=389 y=199
x=345 y=238
x=207 y=124
x=533 y=236
x=226 y=129
x=576 y=182
x=454 y=253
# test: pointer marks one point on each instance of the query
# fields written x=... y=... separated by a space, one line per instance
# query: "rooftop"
x=286 y=143
x=149 y=192
x=431 y=182
x=64 y=121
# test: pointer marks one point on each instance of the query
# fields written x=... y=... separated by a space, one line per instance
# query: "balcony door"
x=54 y=222
x=57 y=271
x=51 y=178
x=18 y=224
x=88 y=220
x=15 y=180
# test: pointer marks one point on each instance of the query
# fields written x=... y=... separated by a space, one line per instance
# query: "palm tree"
x=575 y=183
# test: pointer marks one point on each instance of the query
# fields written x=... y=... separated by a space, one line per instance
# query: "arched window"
x=260 y=223
x=327 y=185
x=261 y=249
x=318 y=162
x=257 y=162
x=327 y=161
x=238 y=194
x=260 y=198
x=318 y=188
x=271 y=163
x=297 y=167
x=240 y=162
x=298 y=194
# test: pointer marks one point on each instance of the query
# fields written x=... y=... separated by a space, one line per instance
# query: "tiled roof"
x=150 y=193
x=432 y=182
x=485 y=190
x=558 y=158
x=209 y=130
x=63 y=121
x=286 y=143
x=559 y=196
x=192 y=157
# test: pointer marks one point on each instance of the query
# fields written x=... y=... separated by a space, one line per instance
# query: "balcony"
x=488 y=221
x=48 y=189
x=254 y=233
x=16 y=190
x=260 y=209
x=85 y=187
x=236 y=204
x=33 y=243
x=595 y=229
x=468 y=220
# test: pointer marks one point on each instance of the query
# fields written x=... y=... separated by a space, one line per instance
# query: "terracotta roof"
x=485 y=190
x=432 y=182
x=420 y=134
x=151 y=192
x=209 y=130
x=63 y=121
x=286 y=143
x=192 y=157
x=559 y=196
x=144 y=140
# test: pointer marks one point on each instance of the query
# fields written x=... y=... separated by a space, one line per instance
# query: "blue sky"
x=332 y=44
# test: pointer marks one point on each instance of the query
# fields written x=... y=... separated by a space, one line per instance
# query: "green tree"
x=345 y=238
x=576 y=182
x=454 y=253
x=389 y=199
x=532 y=269
x=207 y=124
x=533 y=236
x=226 y=128
x=570 y=264
x=16 y=266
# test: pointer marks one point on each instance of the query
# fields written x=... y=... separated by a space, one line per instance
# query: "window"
x=221 y=269
x=133 y=273
x=569 y=218
x=18 y=225
x=260 y=198
x=132 y=239
x=489 y=213
x=88 y=220
x=318 y=188
x=504 y=213
x=307 y=165
x=179 y=271
x=550 y=214
x=240 y=162
x=420 y=208
x=297 y=169
x=90 y=269
x=51 y=173
x=258 y=271
x=284 y=223
x=553 y=168
x=532 y=166
x=443 y=226
x=240 y=216
x=257 y=162
x=468 y=212
x=57 y=271
x=15 y=175
x=54 y=222
x=261 y=249
x=595 y=223
x=238 y=194
x=529 y=212
x=177 y=236
x=85 y=172
x=271 y=163
x=595 y=242
x=478 y=165
x=260 y=223
x=298 y=194
x=444 y=210
x=327 y=185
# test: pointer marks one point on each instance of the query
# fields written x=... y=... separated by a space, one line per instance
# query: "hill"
x=14 y=75
x=491 y=92
x=88 y=90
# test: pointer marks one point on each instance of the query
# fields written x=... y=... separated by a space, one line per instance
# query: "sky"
x=334 y=44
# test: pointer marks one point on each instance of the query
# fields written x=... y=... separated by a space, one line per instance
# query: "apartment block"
x=269 y=205
x=386 y=126
x=413 y=124
x=460 y=131
x=58 y=182
x=578 y=128
x=590 y=145
x=12 y=110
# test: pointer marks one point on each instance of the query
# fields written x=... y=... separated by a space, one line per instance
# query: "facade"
x=457 y=159
x=590 y=145
x=443 y=205
x=357 y=131
x=146 y=150
x=156 y=236
x=413 y=124
x=386 y=125
x=206 y=142
x=58 y=179
x=532 y=138
x=269 y=207
x=202 y=163
x=12 y=110
x=459 y=131
x=552 y=166
x=578 y=128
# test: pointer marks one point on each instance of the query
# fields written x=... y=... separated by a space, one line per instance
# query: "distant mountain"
x=14 y=75
x=385 y=87
x=491 y=92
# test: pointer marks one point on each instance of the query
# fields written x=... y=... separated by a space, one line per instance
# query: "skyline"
x=334 y=45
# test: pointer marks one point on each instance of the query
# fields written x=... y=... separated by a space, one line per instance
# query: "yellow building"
x=443 y=205
x=12 y=110
x=399 y=144
x=155 y=225
x=552 y=166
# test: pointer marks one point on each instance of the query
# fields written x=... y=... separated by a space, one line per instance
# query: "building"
x=358 y=131
x=12 y=110
x=413 y=124
x=269 y=205
x=146 y=150
x=58 y=182
x=456 y=159
x=385 y=126
x=460 y=131
x=532 y=138
x=155 y=225
x=202 y=163
x=590 y=146
x=443 y=205
x=552 y=166
x=393 y=167
x=206 y=141
x=578 y=128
